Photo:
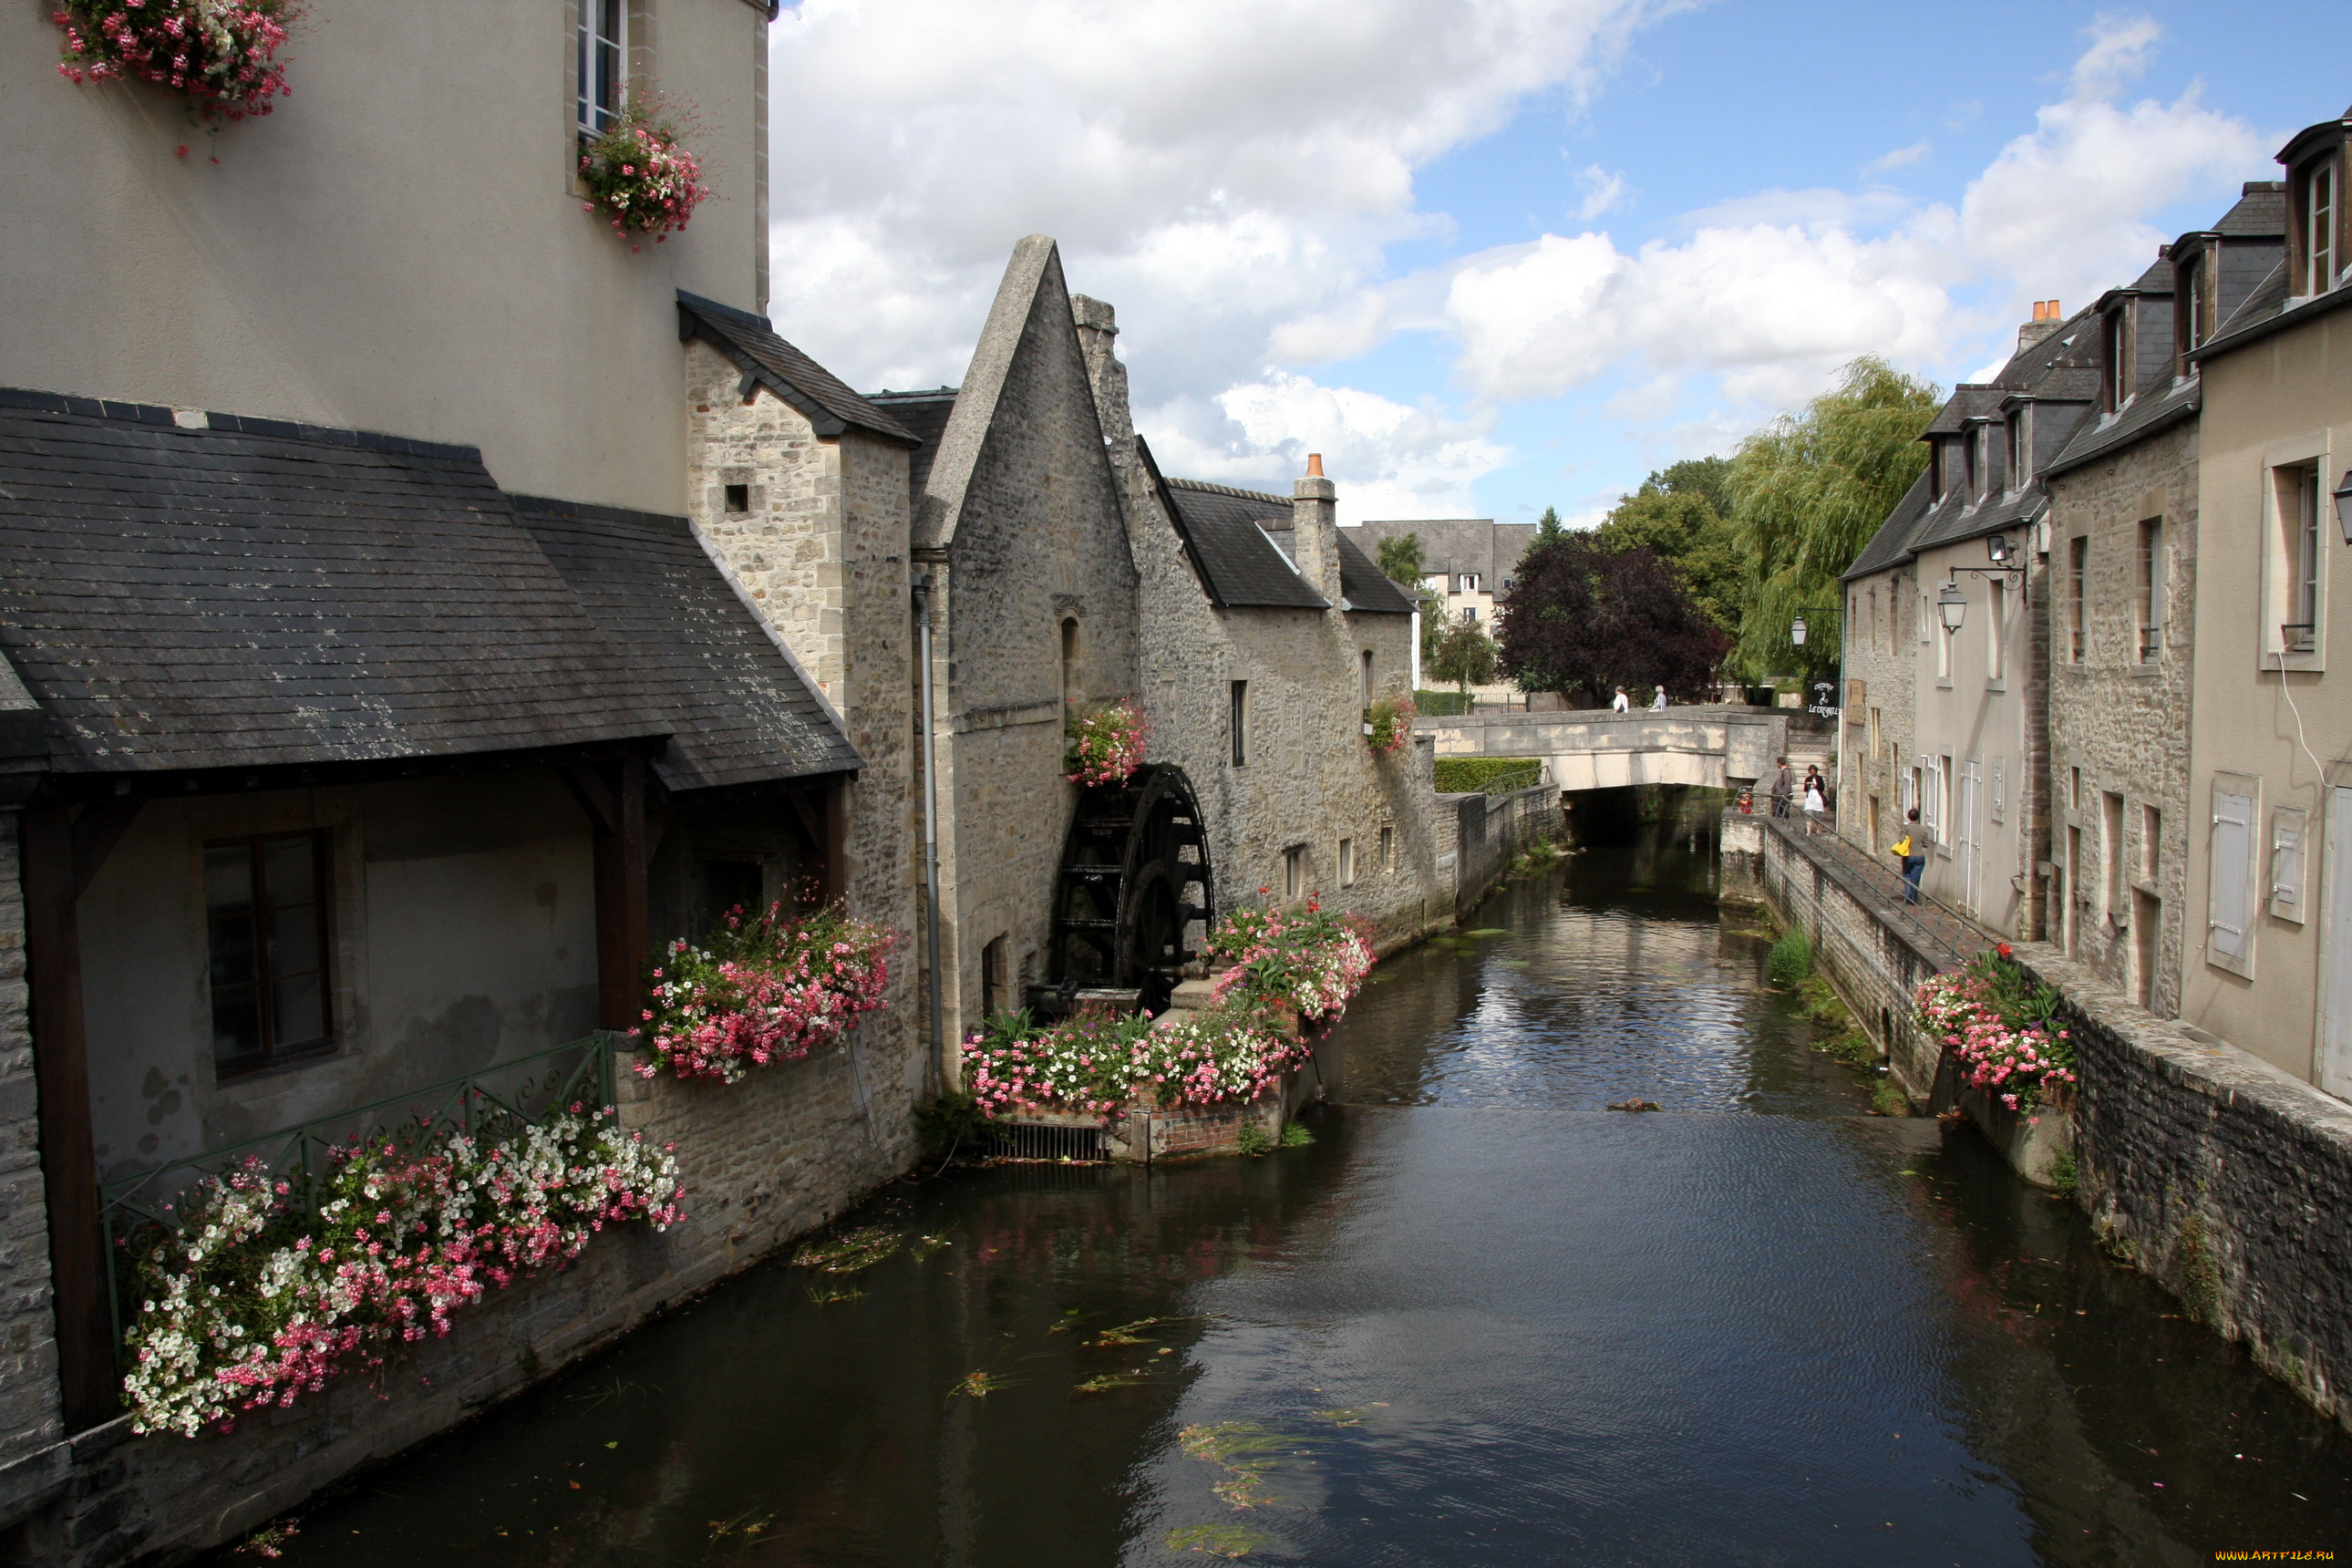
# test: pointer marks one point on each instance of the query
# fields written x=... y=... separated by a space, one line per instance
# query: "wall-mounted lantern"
x=1953 y=605
x=1797 y=631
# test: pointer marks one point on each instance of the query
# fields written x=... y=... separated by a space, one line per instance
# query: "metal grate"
x=1047 y=1141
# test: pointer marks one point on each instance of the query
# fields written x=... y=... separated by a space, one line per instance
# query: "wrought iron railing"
x=492 y=1103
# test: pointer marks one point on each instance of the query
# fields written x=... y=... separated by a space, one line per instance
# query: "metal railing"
x=491 y=1103
x=1940 y=931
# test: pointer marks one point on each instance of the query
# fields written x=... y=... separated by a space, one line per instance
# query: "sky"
x=1491 y=255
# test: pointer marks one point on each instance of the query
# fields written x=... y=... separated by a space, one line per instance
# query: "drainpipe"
x=1417 y=649
x=930 y=821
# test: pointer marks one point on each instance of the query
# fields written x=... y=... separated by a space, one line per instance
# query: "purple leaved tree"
x=1584 y=619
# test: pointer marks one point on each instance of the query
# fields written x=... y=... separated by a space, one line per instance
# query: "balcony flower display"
x=2000 y=1029
x=1306 y=958
x=764 y=988
x=248 y=1300
x=220 y=55
x=1388 y=725
x=640 y=176
x=1106 y=743
x=1099 y=1063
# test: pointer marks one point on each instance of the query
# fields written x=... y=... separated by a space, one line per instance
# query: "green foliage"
x=1440 y=704
x=1251 y=1140
x=1548 y=526
x=950 y=1123
x=1465 y=656
x=1888 y=1099
x=2066 y=1173
x=1791 y=962
x=1296 y=1136
x=1491 y=776
x=1681 y=515
x=1401 y=559
x=1807 y=493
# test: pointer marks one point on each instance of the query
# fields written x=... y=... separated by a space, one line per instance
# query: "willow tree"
x=1807 y=492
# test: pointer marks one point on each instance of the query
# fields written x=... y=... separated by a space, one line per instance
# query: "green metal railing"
x=492 y=1103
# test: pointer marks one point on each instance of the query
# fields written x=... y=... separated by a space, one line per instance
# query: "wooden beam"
x=595 y=797
x=623 y=915
x=86 y=1370
x=832 y=849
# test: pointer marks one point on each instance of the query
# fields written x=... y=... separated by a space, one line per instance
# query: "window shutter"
x=2234 y=836
x=2287 y=859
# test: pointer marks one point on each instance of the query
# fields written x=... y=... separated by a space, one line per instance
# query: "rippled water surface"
x=1482 y=1321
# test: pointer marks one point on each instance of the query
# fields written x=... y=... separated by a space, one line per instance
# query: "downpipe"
x=930 y=828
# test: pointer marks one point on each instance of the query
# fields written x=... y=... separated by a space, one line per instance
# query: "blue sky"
x=1491 y=255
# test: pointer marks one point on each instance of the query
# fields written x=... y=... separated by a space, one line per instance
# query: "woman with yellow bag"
x=1912 y=850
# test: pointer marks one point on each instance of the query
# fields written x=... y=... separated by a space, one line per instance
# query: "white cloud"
x=1387 y=458
x=1603 y=191
x=1901 y=157
x=2121 y=46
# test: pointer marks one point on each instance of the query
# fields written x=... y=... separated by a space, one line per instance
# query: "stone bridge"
x=1721 y=747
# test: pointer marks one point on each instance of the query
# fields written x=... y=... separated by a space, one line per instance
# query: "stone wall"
x=30 y=1415
x=2119 y=724
x=2222 y=1177
x=785 y=1149
x=1490 y=831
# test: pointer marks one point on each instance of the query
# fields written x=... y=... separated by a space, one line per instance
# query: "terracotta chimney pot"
x=1315 y=465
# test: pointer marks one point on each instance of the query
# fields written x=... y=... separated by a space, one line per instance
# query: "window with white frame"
x=2319 y=198
x=2295 y=561
x=1294 y=871
x=603 y=63
x=2150 y=584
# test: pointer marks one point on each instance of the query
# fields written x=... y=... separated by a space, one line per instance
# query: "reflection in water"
x=1482 y=1321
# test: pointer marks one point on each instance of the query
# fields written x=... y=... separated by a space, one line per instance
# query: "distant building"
x=1468 y=560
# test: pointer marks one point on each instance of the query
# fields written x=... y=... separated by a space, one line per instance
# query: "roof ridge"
x=1283 y=501
x=160 y=417
x=786 y=370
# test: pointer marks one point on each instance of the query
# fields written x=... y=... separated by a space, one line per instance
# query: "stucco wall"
x=2123 y=722
x=398 y=246
x=1882 y=652
x=2282 y=399
x=464 y=931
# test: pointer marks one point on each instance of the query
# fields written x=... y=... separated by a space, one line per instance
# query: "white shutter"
x=2234 y=842
x=2335 y=1028
x=2286 y=863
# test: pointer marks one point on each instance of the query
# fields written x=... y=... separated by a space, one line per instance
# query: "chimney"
x=1315 y=535
x=2047 y=318
x=1097 y=325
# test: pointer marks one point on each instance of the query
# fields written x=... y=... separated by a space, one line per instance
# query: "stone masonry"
x=30 y=1419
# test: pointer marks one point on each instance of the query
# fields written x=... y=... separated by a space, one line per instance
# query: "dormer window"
x=1936 y=468
x=1469 y=581
x=604 y=64
x=2114 y=380
x=2191 y=290
x=2319 y=202
x=2019 y=431
x=1975 y=457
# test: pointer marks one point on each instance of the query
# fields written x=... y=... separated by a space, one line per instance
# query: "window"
x=603 y=68
x=2149 y=583
x=2319 y=226
x=2287 y=857
x=1368 y=677
x=1294 y=871
x=266 y=924
x=2114 y=379
x=1470 y=614
x=1931 y=796
x=2298 y=573
x=2230 y=938
x=1347 y=862
x=1996 y=629
x=1469 y=581
x=2111 y=854
x=2191 y=292
x=1935 y=470
x=2151 y=841
x=1388 y=849
x=1237 y=721
x=1073 y=690
x=995 y=982
x=1975 y=452
x=2078 y=564
x=2073 y=789
x=2016 y=459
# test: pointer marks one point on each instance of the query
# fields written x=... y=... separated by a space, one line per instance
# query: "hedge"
x=1493 y=775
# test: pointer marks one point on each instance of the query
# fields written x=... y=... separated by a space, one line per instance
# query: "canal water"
x=1483 y=1320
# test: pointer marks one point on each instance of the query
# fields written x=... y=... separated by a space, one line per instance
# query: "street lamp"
x=1797 y=626
x=2343 y=506
x=2001 y=550
x=1953 y=605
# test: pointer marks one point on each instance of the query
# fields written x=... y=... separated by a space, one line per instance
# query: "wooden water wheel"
x=1133 y=879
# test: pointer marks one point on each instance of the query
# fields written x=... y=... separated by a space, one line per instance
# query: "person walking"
x=1623 y=704
x=1817 y=799
x=1784 y=783
x=1658 y=700
x=1912 y=850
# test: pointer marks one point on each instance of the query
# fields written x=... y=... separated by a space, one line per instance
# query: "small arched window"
x=1368 y=677
x=1073 y=690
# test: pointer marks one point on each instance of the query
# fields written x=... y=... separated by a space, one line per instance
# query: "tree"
x=1547 y=525
x=1808 y=491
x=1466 y=655
x=1680 y=515
x=1400 y=558
x=1585 y=619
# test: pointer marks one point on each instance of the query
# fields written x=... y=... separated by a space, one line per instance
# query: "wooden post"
x=623 y=917
x=86 y=1370
x=832 y=849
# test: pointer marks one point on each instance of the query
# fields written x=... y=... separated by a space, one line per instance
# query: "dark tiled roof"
x=1950 y=524
x=2260 y=212
x=1241 y=564
x=1365 y=586
x=200 y=598
x=1891 y=545
x=2156 y=279
x=2265 y=312
x=752 y=343
x=1968 y=402
x=2156 y=408
x=744 y=712
x=925 y=415
x=1454 y=545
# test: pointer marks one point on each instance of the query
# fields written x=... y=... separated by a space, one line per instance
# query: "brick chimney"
x=1315 y=534
x=2047 y=318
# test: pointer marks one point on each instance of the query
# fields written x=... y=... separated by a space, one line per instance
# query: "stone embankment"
x=2214 y=1173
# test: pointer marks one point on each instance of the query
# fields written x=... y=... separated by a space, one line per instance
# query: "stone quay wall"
x=764 y=1160
x=2217 y=1175
x=1490 y=831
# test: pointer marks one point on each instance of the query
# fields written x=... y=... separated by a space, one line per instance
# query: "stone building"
x=1466 y=560
x=2124 y=551
x=1944 y=709
x=2267 y=963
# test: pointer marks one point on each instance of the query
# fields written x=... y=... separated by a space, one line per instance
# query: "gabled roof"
x=1367 y=589
x=1891 y=545
x=260 y=594
x=2265 y=311
x=766 y=360
x=2160 y=405
x=745 y=711
x=1243 y=566
x=2261 y=211
x=1968 y=400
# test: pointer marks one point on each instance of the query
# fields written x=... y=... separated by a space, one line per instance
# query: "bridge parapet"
x=1718 y=746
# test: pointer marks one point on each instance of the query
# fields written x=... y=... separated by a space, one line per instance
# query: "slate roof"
x=1243 y=567
x=2265 y=311
x=2261 y=210
x=1454 y=545
x=1366 y=588
x=259 y=594
x=2160 y=405
x=752 y=343
x=925 y=415
x=744 y=712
